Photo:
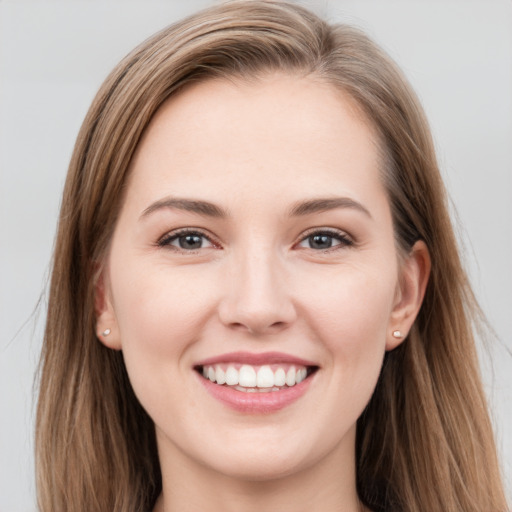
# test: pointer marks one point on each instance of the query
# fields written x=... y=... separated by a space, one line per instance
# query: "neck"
x=328 y=485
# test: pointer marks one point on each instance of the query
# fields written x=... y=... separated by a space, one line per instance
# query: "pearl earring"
x=397 y=334
x=106 y=332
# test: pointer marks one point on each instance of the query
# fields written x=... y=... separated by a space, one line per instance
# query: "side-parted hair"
x=424 y=442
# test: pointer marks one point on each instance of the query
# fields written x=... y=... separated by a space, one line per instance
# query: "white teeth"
x=257 y=390
x=280 y=377
x=290 y=376
x=220 y=375
x=265 y=377
x=231 y=376
x=300 y=375
x=249 y=378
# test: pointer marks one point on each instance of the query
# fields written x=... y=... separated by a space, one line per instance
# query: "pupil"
x=190 y=241
x=320 y=241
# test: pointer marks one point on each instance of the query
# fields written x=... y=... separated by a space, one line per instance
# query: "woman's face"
x=255 y=245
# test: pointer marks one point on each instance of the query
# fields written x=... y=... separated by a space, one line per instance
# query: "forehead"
x=298 y=134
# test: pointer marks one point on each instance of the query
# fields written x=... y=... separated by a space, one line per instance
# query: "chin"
x=259 y=455
x=260 y=467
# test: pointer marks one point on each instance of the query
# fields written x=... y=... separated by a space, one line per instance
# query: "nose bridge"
x=257 y=298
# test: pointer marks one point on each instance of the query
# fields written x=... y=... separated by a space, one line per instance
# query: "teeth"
x=247 y=376
x=300 y=375
x=231 y=376
x=220 y=376
x=290 y=376
x=257 y=390
x=280 y=377
x=252 y=379
x=265 y=377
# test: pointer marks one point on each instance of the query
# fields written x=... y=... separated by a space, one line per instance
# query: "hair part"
x=424 y=442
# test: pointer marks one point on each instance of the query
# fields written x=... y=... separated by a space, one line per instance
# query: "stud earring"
x=106 y=332
x=397 y=334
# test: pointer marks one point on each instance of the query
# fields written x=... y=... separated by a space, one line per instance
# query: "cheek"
x=159 y=316
x=350 y=311
x=159 y=300
x=160 y=313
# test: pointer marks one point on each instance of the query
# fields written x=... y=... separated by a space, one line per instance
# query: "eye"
x=324 y=240
x=186 y=240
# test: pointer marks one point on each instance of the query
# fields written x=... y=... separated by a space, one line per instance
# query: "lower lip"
x=257 y=402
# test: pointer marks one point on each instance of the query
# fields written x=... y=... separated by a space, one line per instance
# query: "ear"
x=414 y=274
x=106 y=322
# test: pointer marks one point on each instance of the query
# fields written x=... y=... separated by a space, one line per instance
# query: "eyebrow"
x=325 y=204
x=189 y=205
x=299 y=209
x=203 y=208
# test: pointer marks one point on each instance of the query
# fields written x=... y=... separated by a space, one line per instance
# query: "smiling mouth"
x=256 y=379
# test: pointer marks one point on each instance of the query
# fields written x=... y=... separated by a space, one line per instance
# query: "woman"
x=256 y=287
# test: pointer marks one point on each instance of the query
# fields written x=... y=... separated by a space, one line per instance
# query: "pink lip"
x=256 y=403
x=256 y=359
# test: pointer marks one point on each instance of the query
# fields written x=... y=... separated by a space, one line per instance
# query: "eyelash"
x=167 y=239
x=344 y=240
x=342 y=237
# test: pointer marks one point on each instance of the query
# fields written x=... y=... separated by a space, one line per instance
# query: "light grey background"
x=55 y=54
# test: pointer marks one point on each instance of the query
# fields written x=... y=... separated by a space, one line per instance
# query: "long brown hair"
x=424 y=442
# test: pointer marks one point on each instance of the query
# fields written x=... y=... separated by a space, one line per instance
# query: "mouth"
x=249 y=378
x=256 y=383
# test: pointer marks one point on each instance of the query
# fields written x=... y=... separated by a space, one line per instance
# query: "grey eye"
x=320 y=241
x=187 y=241
x=324 y=240
x=190 y=241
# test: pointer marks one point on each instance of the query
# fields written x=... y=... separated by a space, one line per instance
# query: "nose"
x=257 y=296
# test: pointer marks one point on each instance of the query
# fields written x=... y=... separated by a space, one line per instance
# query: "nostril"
x=253 y=328
x=237 y=326
x=256 y=328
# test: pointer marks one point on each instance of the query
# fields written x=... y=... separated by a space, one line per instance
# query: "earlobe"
x=414 y=275
x=106 y=323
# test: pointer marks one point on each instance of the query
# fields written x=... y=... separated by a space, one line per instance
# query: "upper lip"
x=255 y=359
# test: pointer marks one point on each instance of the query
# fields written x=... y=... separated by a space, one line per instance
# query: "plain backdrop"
x=54 y=56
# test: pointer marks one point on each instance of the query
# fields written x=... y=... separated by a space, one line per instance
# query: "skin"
x=257 y=284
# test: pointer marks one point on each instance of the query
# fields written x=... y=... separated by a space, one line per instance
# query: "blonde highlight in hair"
x=424 y=442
